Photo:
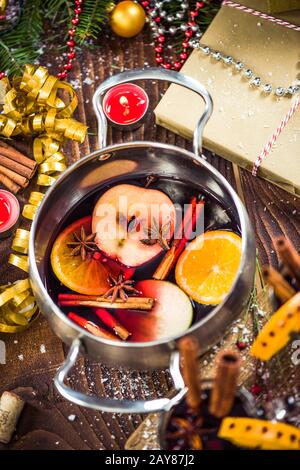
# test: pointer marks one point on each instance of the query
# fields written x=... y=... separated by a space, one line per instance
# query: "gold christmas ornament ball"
x=127 y=19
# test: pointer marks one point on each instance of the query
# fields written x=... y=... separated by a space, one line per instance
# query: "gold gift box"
x=244 y=118
x=272 y=6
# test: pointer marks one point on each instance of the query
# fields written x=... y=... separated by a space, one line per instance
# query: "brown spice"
x=282 y=289
x=9 y=184
x=17 y=167
x=225 y=383
x=290 y=256
x=189 y=350
x=12 y=175
x=17 y=156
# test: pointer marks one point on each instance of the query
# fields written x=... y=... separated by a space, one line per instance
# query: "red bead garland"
x=160 y=41
x=71 y=54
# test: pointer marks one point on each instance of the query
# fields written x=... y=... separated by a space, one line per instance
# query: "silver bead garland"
x=254 y=81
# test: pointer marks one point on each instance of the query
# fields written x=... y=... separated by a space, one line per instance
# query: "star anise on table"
x=190 y=431
x=121 y=288
x=157 y=233
x=82 y=243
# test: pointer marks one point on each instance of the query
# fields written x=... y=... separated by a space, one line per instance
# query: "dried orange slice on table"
x=207 y=268
x=90 y=275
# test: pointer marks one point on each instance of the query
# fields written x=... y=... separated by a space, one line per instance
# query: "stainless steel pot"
x=115 y=163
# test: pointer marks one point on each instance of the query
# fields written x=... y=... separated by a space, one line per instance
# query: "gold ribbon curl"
x=39 y=105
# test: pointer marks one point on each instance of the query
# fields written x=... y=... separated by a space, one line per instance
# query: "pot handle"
x=153 y=73
x=118 y=406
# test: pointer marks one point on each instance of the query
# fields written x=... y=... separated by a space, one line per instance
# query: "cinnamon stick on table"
x=17 y=167
x=282 y=289
x=225 y=383
x=9 y=184
x=189 y=349
x=12 y=175
x=13 y=154
x=289 y=256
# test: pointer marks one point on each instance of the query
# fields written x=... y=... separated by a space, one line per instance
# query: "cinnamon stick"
x=225 y=383
x=112 y=323
x=17 y=167
x=282 y=289
x=17 y=156
x=180 y=240
x=189 y=349
x=132 y=303
x=289 y=256
x=91 y=327
x=9 y=184
x=19 y=179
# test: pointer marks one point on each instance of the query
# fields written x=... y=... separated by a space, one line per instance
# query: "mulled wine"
x=104 y=284
x=182 y=427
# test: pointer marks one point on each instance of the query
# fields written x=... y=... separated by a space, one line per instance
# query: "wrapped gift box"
x=272 y=6
x=243 y=119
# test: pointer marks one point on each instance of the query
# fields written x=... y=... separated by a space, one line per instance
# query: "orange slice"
x=207 y=268
x=86 y=277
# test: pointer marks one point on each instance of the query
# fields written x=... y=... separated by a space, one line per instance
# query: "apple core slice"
x=128 y=221
x=172 y=313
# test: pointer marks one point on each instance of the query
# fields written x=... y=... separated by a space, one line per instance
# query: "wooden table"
x=49 y=421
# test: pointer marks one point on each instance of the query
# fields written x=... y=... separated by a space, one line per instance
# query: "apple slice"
x=126 y=214
x=172 y=313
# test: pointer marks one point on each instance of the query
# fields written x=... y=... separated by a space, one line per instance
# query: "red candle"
x=9 y=212
x=126 y=104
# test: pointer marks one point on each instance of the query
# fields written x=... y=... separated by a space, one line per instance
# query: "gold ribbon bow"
x=36 y=104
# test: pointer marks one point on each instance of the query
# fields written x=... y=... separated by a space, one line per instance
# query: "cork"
x=11 y=406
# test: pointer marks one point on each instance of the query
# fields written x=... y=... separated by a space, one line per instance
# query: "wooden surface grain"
x=49 y=421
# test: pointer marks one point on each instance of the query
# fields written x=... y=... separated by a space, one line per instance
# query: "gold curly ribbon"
x=36 y=104
x=17 y=307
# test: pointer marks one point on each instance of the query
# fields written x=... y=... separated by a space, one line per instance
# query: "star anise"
x=190 y=431
x=82 y=243
x=157 y=234
x=120 y=288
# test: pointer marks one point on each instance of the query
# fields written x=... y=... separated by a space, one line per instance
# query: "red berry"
x=71 y=43
x=177 y=65
x=255 y=389
x=167 y=66
x=191 y=23
x=78 y=2
x=2 y=17
x=199 y=4
x=241 y=345
x=68 y=66
x=71 y=32
x=75 y=21
x=62 y=74
x=158 y=49
x=71 y=55
x=157 y=19
x=185 y=44
x=145 y=4
x=189 y=33
x=97 y=255
x=161 y=39
x=77 y=10
x=2 y=75
x=183 y=55
x=159 y=59
x=194 y=14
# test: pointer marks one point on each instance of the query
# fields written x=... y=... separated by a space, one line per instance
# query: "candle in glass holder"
x=9 y=212
x=126 y=105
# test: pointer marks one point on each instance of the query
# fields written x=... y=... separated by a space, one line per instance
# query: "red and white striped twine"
x=238 y=6
x=269 y=145
x=267 y=148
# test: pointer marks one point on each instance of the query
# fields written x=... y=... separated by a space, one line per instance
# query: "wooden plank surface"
x=49 y=421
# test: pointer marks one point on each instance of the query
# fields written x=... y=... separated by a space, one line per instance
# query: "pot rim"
x=35 y=276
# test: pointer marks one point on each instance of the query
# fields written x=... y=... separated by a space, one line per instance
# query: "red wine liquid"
x=216 y=217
